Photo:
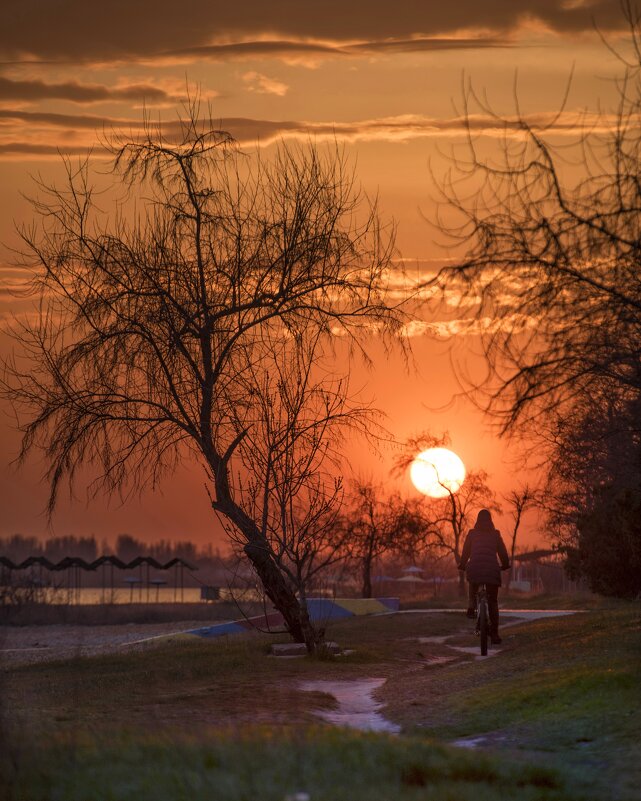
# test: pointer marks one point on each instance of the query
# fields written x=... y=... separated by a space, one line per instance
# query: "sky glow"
x=385 y=86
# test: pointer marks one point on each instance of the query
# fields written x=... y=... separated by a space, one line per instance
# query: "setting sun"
x=437 y=472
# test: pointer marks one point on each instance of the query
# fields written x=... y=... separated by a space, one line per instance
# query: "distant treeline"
x=211 y=566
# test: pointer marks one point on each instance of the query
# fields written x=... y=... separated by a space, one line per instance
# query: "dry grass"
x=562 y=691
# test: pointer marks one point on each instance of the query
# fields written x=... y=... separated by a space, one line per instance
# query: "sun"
x=437 y=472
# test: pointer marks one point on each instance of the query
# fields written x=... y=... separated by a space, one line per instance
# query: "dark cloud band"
x=81 y=31
x=301 y=49
x=35 y=90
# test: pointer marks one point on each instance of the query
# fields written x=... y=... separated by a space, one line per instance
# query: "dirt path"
x=359 y=701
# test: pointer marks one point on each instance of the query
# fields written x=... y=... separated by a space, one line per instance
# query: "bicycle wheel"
x=484 y=625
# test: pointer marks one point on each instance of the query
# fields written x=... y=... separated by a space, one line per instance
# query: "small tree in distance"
x=159 y=327
x=519 y=501
x=377 y=523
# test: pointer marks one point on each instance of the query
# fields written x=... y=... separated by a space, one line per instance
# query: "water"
x=119 y=595
x=357 y=709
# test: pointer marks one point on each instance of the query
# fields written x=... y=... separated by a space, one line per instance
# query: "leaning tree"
x=179 y=326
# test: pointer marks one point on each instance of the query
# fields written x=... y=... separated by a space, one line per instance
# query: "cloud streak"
x=310 y=52
x=256 y=82
x=466 y=326
x=43 y=133
x=75 y=30
x=35 y=90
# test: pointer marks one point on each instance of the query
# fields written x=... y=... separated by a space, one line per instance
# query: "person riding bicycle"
x=479 y=560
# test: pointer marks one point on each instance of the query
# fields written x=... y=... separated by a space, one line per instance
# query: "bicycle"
x=482 y=617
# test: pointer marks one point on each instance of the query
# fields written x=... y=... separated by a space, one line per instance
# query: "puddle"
x=490 y=740
x=469 y=742
x=357 y=709
x=435 y=640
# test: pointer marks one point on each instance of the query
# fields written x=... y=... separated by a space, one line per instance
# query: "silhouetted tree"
x=154 y=325
x=550 y=280
x=608 y=548
x=377 y=523
x=593 y=482
x=128 y=547
x=551 y=272
x=519 y=501
x=300 y=411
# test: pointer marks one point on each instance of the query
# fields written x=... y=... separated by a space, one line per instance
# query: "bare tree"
x=552 y=265
x=519 y=501
x=377 y=523
x=299 y=412
x=551 y=279
x=449 y=518
x=155 y=324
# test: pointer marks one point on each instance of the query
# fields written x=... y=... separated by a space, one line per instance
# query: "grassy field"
x=516 y=600
x=557 y=709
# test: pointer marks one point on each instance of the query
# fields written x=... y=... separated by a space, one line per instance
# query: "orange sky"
x=385 y=80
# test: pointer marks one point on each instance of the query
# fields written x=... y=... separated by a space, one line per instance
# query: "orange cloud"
x=264 y=85
x=44 y=133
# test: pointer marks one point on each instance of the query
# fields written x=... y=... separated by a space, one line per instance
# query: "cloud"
x=264 y=85
x=467 y=326
x=33 y=149
x=42 y=118
x=404 y=127
x=78 y=31
x=310 y=52
x=13 y=281
x=34 y=90
x=44 y=133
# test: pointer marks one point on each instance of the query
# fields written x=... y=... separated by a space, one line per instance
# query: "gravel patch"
x=23 y=645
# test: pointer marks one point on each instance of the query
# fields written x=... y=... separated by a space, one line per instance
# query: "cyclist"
x=482 y=546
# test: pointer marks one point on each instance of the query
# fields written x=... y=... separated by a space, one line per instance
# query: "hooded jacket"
x=482 y=550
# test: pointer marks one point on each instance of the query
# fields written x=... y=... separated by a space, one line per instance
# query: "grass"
x=565 y=689
x=578 y=600
x=221 y=719
x=516 y=600
x=330 y=765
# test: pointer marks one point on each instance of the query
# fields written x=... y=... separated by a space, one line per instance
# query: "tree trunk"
x=367 y=578
x=462 y=589
x=259 y=553
x=296 y=618
x=313 y=638
x=510 y=571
